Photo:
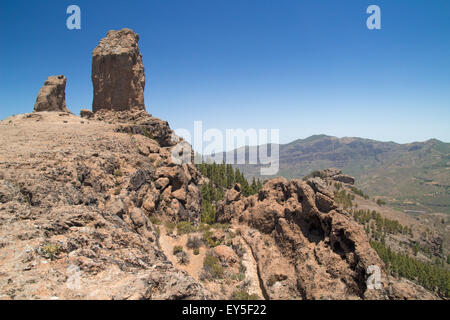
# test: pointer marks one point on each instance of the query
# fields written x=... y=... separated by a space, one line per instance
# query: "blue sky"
x=304 y=67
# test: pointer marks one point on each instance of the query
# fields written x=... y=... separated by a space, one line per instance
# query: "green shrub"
x=221 y=226
x=359 y=192
x=177 y=249
x=50 y=250
x=238 y=276
x=196 y=252
x=212 y=267
x=208 y=239
x=118 y=173
x=208 y=212
x=170 y=226
x=185 y=227
x=154 y=220
x=344 y=198
x=244 y=295
x=315 y=174
x=204 y=227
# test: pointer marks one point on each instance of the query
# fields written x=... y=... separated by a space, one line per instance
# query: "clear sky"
x=304 y=67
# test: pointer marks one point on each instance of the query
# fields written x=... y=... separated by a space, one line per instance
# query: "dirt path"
x=168 y=242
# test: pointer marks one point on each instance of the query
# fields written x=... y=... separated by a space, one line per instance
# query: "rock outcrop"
x=138 y=121
x=118 y=72
x=87 y=114
x=337 y=175
x=305 y=246
x=77 y=213
x=52 y=96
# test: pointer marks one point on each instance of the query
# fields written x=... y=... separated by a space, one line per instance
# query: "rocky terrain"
x=96 y=207
x=75 y=203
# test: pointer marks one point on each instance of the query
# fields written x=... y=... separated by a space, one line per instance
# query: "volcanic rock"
x=344 y=178
x=337 y=175
x=80 y=229
x=84 y=113
x=52 y=96
x=118 y=72
x=295 y=228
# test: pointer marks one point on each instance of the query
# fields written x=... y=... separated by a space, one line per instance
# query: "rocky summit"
x=52 y=96
x=96 y=207
x=118 y=72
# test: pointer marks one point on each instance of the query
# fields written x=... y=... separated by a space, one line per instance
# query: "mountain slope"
x=412 y=176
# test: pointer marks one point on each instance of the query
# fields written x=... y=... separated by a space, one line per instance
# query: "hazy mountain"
x=413 y=176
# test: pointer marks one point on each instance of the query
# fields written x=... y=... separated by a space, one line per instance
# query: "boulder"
x=319 y=185
x=140 y=177
x=162 y=183
x=117 y=207
x=87 y=114
x=52 y=96
x=180 y=195
x=344 y=178
x=331 y=172
x=227 y=257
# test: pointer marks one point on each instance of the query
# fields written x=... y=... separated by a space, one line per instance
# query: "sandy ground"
x=168 y=242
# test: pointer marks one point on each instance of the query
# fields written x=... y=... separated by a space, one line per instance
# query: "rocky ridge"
x=78 y=219
x=75 y=212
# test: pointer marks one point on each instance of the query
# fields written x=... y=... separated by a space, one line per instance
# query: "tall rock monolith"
x=118 y=72
x=52 y=96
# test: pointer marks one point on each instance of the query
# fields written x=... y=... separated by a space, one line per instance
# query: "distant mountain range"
x=413 y=176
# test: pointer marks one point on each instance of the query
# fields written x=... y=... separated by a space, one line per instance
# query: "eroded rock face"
x=79 y=220
x=305 y=246
x=316 y=249
x=52 y=96
x=337 y=175
x=118 y=72
x=138 y=121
